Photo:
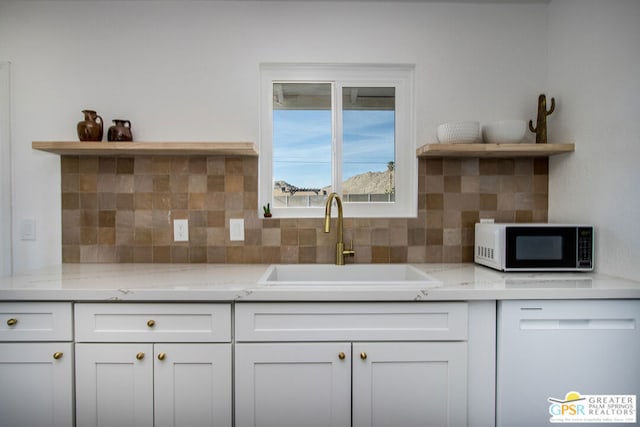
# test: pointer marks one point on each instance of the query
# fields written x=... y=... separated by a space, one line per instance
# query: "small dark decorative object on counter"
x=90 y=129
x=267 y=210
x=541 y=126
x=120 y=131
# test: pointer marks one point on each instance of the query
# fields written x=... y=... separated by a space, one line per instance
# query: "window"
x=342 y=128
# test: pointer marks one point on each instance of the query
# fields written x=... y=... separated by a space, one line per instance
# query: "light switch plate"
x=180 y=230
x=236 y=229
x=28 y=229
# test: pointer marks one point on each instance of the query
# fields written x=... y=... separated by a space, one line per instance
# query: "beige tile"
x=451 y=167
x=197 y=165
x=198 y=184
x=197 y=201
x=87 y=183
x=179 y=254
x=380 y=237
x=198 y=255
x=161 y=184
x=179 y=166
x=70 y=201
x=233 y=202
x=470 y=184
x=143 y=165
x=233 y=183
x=179 y=184
x=162 y=254
x=70 y=183
x=271 y=237
x=216 y=254
x=233 y=166
x=216 y=236
x=106 y=182
x=160 y=165
x=87 y=165
x=124 y=165
x=452 y=184
x=69 y=164
x=452 y=237
x=215 y=166
x=470 y=167
x=417 y=254
x=124 y=184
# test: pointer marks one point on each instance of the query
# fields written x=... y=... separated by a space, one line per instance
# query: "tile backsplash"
x=121 y=209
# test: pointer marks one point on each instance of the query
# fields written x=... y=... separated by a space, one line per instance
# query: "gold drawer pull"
x=341 y=355
x=140 y=355
x=57 y=355
x=161 y=356
x=151 y=323
x=12 y=322
x=363 y=355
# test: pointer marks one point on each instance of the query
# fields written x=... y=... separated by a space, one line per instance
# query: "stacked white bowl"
x=459 y=132
x=504 y=131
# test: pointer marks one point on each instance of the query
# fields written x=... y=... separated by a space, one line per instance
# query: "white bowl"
x=458 y=132
x=504 y=131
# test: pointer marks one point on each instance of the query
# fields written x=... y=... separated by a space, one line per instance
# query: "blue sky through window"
x=302 y=145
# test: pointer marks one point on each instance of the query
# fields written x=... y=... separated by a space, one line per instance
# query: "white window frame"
x=400 y=76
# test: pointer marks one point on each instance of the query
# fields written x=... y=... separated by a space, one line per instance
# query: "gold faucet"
x=340 y=250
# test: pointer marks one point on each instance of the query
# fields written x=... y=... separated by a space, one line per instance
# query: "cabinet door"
x=409 y=384
x=114 y=385
x=36 y=383
x=293 y=385
x=192 y=385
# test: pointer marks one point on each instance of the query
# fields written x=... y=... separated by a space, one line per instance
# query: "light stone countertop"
x=239 y=282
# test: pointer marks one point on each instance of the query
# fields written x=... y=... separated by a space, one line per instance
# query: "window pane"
x=368 y=121
x=302 y=133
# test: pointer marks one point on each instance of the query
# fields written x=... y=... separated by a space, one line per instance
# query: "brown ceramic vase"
x=120 y=131
x=90 y=129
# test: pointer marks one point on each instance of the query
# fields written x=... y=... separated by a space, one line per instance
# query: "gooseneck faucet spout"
x=340 y=250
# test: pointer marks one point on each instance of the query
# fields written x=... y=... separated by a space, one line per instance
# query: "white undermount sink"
x=346 y=275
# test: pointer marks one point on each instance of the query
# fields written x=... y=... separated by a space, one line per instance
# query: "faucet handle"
x=349 y=251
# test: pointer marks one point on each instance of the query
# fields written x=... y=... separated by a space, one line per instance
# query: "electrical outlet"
x=236 y=229
x=180 y=230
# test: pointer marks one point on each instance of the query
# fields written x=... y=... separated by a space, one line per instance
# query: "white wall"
x=594 y=74
x=189 y=71
x=5 y=171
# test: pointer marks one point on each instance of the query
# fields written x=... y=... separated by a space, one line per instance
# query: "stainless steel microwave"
x=534 y=247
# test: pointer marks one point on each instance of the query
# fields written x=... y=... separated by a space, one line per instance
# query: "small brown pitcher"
x=90 y=129
x=120 y=131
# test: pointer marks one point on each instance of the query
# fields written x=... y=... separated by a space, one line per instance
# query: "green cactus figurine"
x=267 y=210
x=541 y=125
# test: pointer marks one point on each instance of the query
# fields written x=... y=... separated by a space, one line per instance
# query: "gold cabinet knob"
x=363 y=355
x=161 y=356
x=341 y=355
x=12 y=322
x=140 y=355
x=151 y=323
x=57 y=355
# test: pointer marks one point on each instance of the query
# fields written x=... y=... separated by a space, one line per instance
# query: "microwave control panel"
x=585 y=247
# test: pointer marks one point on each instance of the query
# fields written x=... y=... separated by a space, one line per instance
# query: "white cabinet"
x=293 y=384
x=342 y=377
x=36 y=365
x=144 y=380
x=409 y=384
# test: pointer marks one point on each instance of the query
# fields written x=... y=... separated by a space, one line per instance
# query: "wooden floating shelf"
x=77 y=148
x=493 y=150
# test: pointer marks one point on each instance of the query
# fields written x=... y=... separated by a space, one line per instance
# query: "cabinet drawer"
x=35 y=321
x=351 y=321
x=123 y=322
